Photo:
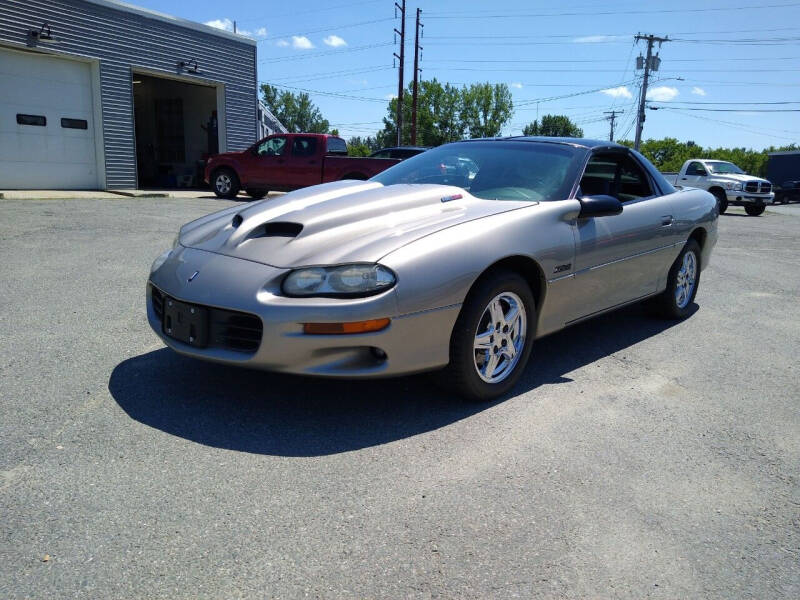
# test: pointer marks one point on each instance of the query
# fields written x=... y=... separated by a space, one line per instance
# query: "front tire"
x=755 y=210
x=257 y=194
x=492 y=337
x=225 y=183
x=722 y=201
x=682 y=283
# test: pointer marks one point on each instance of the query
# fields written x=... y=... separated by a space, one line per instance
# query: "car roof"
x=566 y=141
x=404 y=148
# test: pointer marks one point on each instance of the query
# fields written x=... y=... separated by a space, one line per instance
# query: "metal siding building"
x=119 y=45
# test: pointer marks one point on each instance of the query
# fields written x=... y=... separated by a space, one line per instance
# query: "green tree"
x=358 y=146
x=446 y=113
x=487 y=108
x=296 y=111
x=669 y=154
x=553 y=126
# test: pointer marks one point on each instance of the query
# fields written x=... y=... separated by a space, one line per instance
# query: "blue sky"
x=729 y=53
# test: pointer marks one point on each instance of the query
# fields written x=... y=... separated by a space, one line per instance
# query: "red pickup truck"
x=288 y=161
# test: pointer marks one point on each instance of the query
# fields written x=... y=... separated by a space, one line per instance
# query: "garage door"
x=47 y=130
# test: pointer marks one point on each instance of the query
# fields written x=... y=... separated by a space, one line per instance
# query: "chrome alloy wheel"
x=223 y=183
x=500 y=337
x=686 y=279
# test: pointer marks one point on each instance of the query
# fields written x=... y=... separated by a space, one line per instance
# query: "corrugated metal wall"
x=124 y=40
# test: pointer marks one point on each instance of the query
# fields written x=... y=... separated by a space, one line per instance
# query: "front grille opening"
x=234 y=330
x=157 y=299
x=751 y=186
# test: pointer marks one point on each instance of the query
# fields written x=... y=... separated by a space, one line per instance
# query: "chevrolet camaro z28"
x=456 y=259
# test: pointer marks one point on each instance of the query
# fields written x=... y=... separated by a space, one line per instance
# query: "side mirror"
x=599 y=206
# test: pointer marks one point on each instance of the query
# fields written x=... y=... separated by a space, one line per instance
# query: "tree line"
x=447 y=113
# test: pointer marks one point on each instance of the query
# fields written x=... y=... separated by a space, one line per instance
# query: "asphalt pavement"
x=637 y=458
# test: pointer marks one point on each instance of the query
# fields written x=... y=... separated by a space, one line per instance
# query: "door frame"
x=97 y=103
x=222 y=128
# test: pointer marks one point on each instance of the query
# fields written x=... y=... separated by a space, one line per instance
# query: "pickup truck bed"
x=286 y=162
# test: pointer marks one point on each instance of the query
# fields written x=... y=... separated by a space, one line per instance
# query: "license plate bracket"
x=187 y=323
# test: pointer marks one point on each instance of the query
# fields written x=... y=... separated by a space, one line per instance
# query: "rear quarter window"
x=336 y=146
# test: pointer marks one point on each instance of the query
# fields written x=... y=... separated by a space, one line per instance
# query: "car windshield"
x=494 y=170
x=724 y=167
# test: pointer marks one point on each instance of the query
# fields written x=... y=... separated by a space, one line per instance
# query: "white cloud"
x=594 y=39
x=698 y=91
x=335 y=41
x=618 y=92
x=224 y=24
x=227 y=25
x=516 y=85
x=301 y=42
x=282 y=43
x=390 y=96
x=662 y=93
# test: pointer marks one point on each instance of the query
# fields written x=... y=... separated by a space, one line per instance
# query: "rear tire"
x=257 y=194
x=755 y=210
x=225 y=183
x=722 y=201
x=682 y=283
x=492 y=338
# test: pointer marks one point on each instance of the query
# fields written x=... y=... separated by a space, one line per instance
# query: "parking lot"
x=636 y=458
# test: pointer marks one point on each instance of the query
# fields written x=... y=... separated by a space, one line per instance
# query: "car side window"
x=272 y=147
x=616 y=175
x=381 y=155
x=304 y=146
x=695 y=168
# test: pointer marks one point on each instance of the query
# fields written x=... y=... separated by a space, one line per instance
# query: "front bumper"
x=746 y=198
x=412 y=343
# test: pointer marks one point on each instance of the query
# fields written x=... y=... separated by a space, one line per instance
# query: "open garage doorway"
x=177 y=128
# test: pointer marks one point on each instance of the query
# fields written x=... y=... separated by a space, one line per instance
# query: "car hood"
x=736 y=177
x=339 y=222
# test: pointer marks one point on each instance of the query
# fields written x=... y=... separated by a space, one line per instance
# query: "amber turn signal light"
x=340 y=328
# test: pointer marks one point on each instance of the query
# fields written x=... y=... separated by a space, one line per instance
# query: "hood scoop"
x=276 y=229
x=270 y=229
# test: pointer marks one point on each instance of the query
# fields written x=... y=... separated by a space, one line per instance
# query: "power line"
x=332 y=74
x=332 y=94
x=744 y=110
x=324 y=29
x=307 y=55
x=739 y=103
x=595 y=13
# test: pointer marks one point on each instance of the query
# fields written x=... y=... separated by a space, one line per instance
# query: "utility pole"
x=612 y=116
x=649 y=63
x=401 y=57
x=414 y=100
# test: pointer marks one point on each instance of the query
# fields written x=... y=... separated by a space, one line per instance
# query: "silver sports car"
x=456 y=259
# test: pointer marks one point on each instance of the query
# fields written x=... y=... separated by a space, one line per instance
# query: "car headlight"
x=731 y=185
x=345 y=281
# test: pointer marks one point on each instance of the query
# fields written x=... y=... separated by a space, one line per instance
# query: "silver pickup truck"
x=727 y=182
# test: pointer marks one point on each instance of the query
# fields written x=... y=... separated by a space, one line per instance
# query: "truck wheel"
x=257 y=194
x=754 y=209
x=225 y=183
x=722 y=201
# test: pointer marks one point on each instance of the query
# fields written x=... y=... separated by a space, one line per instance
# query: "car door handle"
x=666 y=220
x=312 y=162
x=684 y=178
